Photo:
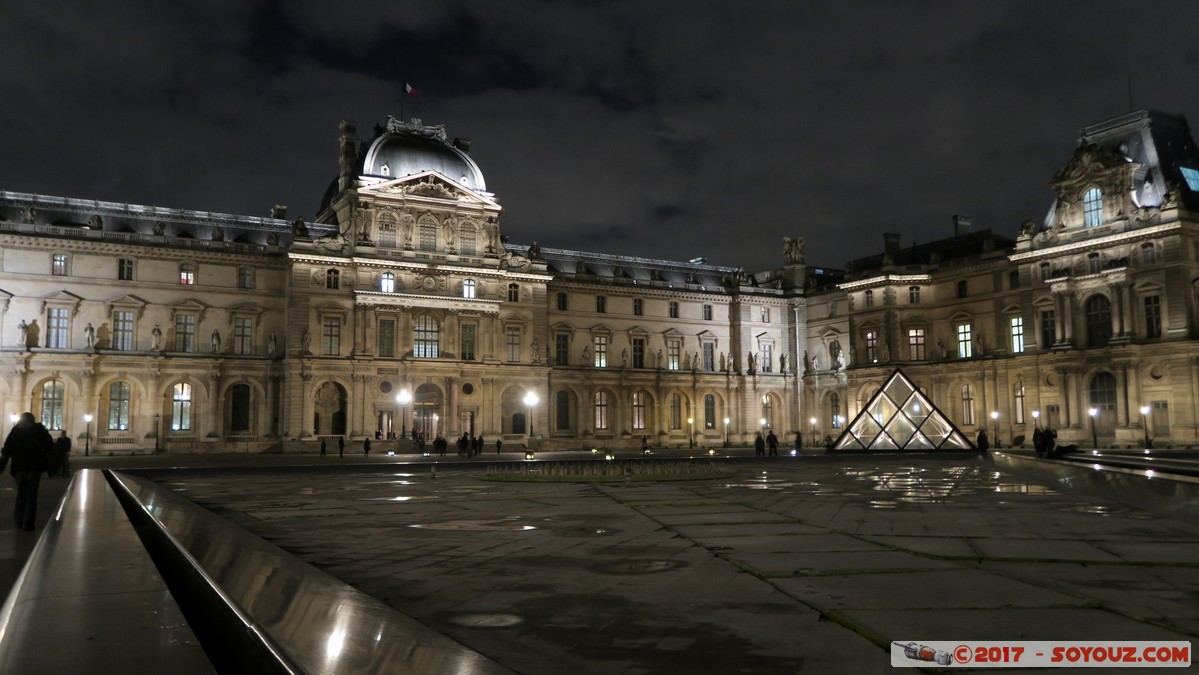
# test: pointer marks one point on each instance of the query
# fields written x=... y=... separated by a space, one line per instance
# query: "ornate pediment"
x=431 y=184
x=1089 y=162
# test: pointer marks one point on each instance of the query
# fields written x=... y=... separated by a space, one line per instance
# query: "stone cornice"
x=1128 y=236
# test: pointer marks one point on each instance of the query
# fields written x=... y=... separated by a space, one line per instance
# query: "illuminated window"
x=672 y=354
x=181 y=407
x=387 y=283
x=1017 y=334
x=601 y=410
x=601 y=351
x=52 y=404
x=834 y=409
x=965 y=341
x=709 y=412
x=638 y=410
x=118 y=406
x=59 y=320
x=916 y=344
x=122 y=330
x=468 y=289
x=1092 y=207
x=967 y=404
x=871 y=347
x=243 y=335
x=1191 y=176
x=765 y=356
x=187 y=274
x=426 y=338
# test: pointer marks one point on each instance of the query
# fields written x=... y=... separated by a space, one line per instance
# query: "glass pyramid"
x=900 y=417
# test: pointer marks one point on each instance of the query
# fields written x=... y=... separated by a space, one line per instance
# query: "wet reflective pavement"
x=791 y=565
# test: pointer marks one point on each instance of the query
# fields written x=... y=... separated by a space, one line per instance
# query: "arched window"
x=466 y=240
x=1099 y=320
x=387 y=283
x=332 y=279
x=468 y=288
x=562 y=410
x=387 y=231
x=513 y=293
x=768 y=411
x=52 y=403
x=834 y=411
x=967 y=404
x=118 y=406
x=428 y=235
x=181 y=407
x=601 y=410
x=709 y=412
x=1103 y=399
x=426 y=338
x=639 y=410
x=239 y=407
x=1092 y=207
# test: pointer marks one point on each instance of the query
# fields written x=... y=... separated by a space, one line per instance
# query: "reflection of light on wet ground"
x=1026 y=489
x=486 y=620
x=476 y=526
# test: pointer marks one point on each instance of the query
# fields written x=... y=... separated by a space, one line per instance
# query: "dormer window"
x=1191 y=176
x=385 y=170
x=1092 y=207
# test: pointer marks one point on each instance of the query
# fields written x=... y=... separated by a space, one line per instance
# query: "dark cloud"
x=713 y=128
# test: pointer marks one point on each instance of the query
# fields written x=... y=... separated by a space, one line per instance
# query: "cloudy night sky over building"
x=665 y=129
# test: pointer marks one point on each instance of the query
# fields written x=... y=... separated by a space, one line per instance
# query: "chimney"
x=890 y=247
x=349 y=154
x=462 y=144
x=961 y=225
x=279 y=211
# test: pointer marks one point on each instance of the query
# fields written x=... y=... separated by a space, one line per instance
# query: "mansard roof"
x=654 y=272
x=966 y=248
x=67 y=217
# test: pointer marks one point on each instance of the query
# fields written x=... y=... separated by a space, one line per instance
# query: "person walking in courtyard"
x=759 y=445
x=30 y=449
x=499 y=443
x=322 y=447
x=772 y=442
x=645 y=445
x=798 y=443
x=62 y=454
x=479 y=444
x=983 y=443
x=366 y=447
x=341 y=446
x=1038 y=442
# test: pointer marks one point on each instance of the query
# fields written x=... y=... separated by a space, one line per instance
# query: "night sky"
x=664 y=129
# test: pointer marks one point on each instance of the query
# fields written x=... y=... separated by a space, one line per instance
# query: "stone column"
x=216 y=401
x=451 y=385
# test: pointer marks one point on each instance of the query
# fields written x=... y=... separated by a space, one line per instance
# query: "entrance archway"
x=427 y=413
x=329 y=410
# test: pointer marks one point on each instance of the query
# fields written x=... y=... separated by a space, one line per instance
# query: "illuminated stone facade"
x=198 y=331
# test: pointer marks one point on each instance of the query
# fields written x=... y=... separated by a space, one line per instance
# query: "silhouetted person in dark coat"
x=983 y=443
x=341 y=446
x=772 y=442
x=31 y=450
x=366 y=447
x=759 y=445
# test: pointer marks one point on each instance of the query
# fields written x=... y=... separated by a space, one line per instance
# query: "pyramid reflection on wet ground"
x=900 y=417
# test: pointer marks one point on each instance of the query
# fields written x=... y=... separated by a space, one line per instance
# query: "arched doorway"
x=1103 y=399
x=427 y=416
x=329 y=410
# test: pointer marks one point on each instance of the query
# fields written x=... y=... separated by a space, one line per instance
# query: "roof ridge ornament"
x=415 y=126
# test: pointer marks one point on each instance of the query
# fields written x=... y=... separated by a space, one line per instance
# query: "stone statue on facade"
x=299 y=229
x=807 y=363
x=89 y=334
x=305 y=342
x=793 y=250
x=782 y=363
x=272 y=343
x=156 y=334
x=695 y=361
x=23 y=334
x=216 y=341
x=536 y=349
x=723 y=363
x=624 y=358
x=749 y=360
x=686 y=361
x=660 y=361
x=586 y=355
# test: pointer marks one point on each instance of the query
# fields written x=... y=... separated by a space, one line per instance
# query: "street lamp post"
x=1093 y=412
x=531 y=400
x=1145 y=425
x=87 y=439
x=403 y=398
x=157 y=420
x=1036 y=418
x=812 y=436
x=995 y=419
x=690 y=432
x=726 y=432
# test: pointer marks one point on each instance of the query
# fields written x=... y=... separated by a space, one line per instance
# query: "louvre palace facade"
x=402 y=307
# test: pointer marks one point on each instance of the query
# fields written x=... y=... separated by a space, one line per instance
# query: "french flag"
x=408 y=89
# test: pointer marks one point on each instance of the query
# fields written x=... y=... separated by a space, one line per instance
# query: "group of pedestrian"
x=471 y=446
x=770 y=442
x=1044 y=442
